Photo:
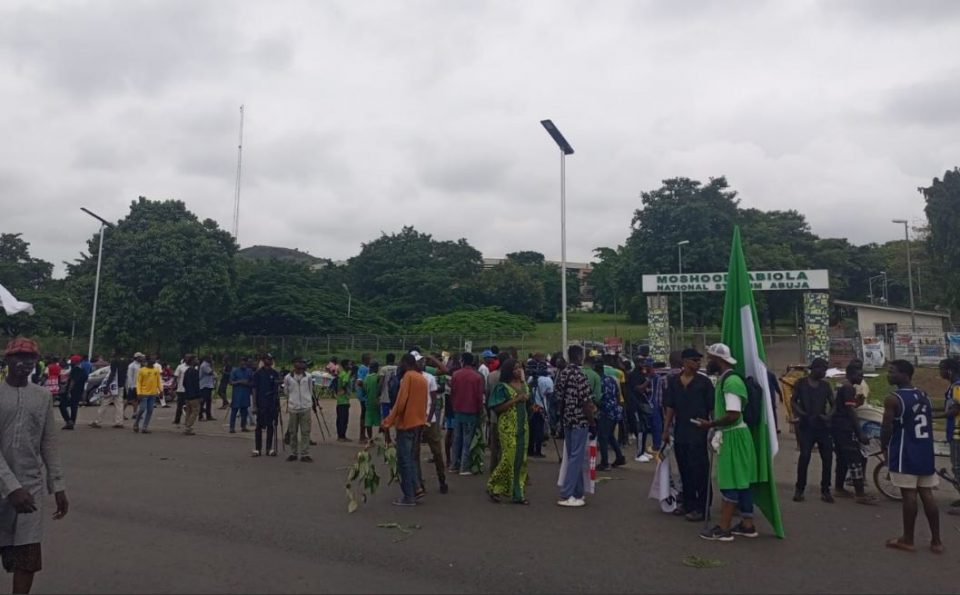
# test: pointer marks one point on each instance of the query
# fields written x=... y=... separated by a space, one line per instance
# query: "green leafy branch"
x=362 y=477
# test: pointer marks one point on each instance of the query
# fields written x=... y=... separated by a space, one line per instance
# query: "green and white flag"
x=741 y=332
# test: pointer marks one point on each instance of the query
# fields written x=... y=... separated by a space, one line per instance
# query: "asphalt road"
x=166 y=513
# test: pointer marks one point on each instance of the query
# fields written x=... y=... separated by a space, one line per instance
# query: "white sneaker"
x=578 y=502
x=571 y=502
x=644 y=458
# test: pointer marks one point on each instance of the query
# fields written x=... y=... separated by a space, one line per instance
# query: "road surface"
x=166 y=513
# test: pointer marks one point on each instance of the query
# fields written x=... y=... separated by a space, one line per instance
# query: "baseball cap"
x=75 y=359
x=22 y=345
x=138 y=354
x=721 y=351
x=488 y=354
x=416 y=355
x=691 y=354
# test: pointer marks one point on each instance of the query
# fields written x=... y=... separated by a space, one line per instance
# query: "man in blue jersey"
x=907 y=437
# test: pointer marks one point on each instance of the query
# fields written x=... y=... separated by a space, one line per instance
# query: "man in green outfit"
x=371 y=391
x=596 y=383
x=736 y=455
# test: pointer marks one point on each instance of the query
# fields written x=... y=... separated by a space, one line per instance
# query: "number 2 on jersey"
x=921 y=429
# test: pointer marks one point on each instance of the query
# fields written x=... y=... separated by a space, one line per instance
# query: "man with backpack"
x=813 y=406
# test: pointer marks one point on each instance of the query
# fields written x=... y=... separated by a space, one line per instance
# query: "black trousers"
x=849 y=457
x=69 y=405
x=343 y=418
x=537 y=423
x=181 y=403
x=206 y=403
x=807 y=437
x=694 y=464
x=266 y=420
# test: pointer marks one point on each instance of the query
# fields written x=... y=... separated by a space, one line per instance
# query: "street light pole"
x=96 y=286
x=680 y=246
x=349 y=298
x=565 y=149
x=913 y=311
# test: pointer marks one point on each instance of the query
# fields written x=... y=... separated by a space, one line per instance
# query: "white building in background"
x=874 y=320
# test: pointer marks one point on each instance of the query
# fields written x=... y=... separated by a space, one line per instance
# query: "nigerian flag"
x=741 y=333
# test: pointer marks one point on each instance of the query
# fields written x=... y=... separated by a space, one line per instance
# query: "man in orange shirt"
x=409 y=415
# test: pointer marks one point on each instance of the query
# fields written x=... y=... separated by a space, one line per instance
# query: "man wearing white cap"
x=736 y=453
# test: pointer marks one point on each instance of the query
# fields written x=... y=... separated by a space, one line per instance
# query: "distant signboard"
x=817 y=279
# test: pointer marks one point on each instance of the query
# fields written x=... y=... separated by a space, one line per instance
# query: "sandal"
x=523 y=502
x=493 y=497
x=896 y=544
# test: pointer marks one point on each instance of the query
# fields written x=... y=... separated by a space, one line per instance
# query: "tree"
x=513 y=287
x=31 y=280
x=409 y=275
x=167 y=277
x=681 y=209
x=283 y=297
x=549 y=276
x=604 y=281
x=943 y=240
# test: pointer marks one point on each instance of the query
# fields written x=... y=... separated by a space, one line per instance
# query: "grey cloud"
x=934 y=102
x=896 y=12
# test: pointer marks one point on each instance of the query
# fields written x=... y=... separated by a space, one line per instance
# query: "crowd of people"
x=462 y=406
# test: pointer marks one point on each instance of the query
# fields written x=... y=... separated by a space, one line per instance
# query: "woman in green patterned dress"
x=510 y=399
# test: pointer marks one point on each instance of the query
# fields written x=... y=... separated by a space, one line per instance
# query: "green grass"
x=582 y=326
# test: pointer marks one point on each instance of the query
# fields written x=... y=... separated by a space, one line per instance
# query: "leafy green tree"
x=605 y=280
x=681 y=209
x=549 y=276
x=167 y=277
x=31 y=280
x=515 y=288
x=409 y=275
x=943 y=238
x=283 y=297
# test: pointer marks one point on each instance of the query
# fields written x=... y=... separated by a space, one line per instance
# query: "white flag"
x=12 y=305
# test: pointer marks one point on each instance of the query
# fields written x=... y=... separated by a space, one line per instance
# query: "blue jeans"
x=243 y=418
x=575 y=451
x=656 y=428
x=742 y=498
x=406 y=464
x=144 y=411
x=463 y=431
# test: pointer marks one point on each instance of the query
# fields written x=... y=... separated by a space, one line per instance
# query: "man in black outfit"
x=266 y=398
x=813 y=406
x=690 y=395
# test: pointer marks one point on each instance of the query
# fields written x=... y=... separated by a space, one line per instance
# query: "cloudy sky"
x=365 y=116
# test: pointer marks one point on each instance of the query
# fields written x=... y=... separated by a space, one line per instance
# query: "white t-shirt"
x=178 y=376
x=432 y=389
x=483 y=369
x=733 y=402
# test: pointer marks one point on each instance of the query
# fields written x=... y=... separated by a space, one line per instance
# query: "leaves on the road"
x=405 y=531
x=698 y=562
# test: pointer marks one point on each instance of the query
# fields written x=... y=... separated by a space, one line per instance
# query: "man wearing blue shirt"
x=241 y=381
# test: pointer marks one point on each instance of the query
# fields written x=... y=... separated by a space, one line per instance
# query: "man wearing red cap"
x=28 y=444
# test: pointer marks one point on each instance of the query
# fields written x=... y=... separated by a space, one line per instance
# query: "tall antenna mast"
x=236 y=192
